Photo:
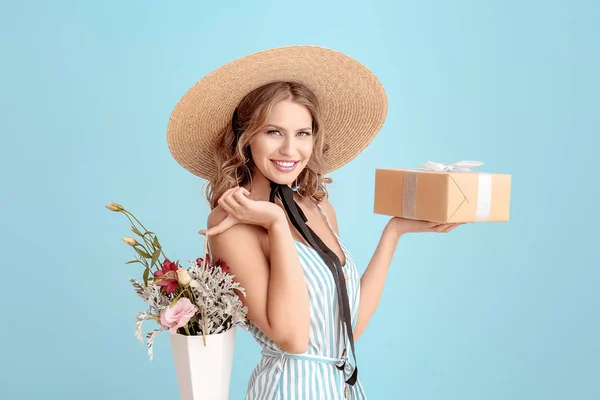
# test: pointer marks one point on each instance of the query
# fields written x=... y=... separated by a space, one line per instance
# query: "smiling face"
x=282 y=149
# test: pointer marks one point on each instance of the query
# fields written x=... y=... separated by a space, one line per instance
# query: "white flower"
x=131 y=241
x=183 y=276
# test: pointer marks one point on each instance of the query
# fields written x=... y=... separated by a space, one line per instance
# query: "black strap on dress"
x=298 y=219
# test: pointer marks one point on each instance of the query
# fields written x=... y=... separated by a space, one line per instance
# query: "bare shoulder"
x=215 y=217
x=243 y=235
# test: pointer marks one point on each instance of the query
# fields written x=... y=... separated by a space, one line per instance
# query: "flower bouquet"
x=198 y=305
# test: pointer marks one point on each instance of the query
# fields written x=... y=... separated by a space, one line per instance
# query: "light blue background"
x=490 y=311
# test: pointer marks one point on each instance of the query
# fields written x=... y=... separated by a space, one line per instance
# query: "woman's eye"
x=273 y=132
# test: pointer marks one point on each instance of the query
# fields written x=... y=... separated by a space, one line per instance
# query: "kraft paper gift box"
x=443 y=193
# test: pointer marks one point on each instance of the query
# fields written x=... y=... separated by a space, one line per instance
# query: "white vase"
x=203 y=372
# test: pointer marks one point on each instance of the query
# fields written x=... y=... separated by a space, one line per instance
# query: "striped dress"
x=312 y=375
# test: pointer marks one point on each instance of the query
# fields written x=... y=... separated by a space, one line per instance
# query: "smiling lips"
x=285 y=166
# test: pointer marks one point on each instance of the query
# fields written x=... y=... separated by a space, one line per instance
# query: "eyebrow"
x=282 y=129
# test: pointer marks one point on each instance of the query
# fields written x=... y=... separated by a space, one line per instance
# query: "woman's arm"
x=373 y=279
x=276 y=292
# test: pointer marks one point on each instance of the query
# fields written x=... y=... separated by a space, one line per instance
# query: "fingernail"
x=202 y=231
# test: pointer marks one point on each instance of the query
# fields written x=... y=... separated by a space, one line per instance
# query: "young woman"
x=264 y=130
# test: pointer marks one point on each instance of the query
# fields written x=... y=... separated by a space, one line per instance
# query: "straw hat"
x=353 y=103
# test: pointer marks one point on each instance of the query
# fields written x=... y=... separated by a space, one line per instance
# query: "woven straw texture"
x=353 y=103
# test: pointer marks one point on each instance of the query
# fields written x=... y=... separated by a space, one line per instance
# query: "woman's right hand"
x=242 y=210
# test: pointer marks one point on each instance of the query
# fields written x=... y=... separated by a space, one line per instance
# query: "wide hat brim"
x=353 y=103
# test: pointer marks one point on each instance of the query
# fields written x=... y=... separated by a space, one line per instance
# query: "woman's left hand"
x=403 y=226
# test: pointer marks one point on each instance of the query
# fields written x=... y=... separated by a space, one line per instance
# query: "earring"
x=296 y=187
x=316 y=187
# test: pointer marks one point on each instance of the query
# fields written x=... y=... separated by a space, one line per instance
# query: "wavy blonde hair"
x=233 y=157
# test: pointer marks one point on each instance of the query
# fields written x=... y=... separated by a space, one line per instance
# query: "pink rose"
x=179 y=315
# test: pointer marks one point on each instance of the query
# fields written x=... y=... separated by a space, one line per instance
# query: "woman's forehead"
x=290 y=116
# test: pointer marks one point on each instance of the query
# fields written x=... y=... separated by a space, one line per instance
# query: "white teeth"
x=284 y=164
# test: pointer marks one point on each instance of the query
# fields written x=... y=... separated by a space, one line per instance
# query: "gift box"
x=443 y=193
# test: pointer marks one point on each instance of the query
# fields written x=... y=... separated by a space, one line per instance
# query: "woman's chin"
x=282 y=180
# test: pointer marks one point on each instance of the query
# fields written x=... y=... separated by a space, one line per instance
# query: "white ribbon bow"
x=461 y=166
x=484 y=187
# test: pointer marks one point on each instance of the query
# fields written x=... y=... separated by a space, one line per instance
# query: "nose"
x=287 y=146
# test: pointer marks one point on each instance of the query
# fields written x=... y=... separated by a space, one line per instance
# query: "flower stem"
x=143 y=227
x=148 y=243
x=177 y=297
x=192 y=298
x=145 y=230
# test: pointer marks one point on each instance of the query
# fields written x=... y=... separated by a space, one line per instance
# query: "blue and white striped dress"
x=312 y=375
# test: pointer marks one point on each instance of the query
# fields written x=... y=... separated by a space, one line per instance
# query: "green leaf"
x=133 y=261
x=146 y=274
x=155 y=257
x=155 y=243
x=142 y=253
x=136 y=230
x=149 y=233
